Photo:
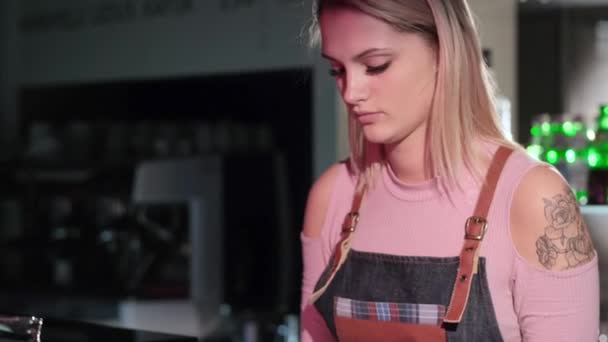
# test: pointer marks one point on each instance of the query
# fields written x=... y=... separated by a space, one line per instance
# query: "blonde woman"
x=437 y=228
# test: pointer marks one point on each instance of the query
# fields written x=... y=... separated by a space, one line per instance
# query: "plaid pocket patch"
x=390 y=312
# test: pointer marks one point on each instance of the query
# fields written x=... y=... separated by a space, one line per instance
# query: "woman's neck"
x=410 y=158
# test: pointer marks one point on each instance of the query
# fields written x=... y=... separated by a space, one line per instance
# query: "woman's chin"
x=375 y=134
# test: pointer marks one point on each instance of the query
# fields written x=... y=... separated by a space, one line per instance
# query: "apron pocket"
x=384 y=321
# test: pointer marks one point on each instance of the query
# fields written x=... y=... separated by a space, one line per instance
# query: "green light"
x=604 y=110
x=535 y=151
x=535 y=130
x=583 y=200
x=552 y=156
x=570 y=156
x=545 y=128
x=581 y=194
x=593 y=158
x=604 y=122
x=568 y=128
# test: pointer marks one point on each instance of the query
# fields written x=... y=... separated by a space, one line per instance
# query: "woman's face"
x=386 y=78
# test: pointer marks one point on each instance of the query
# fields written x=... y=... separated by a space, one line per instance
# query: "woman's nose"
x=354 y=90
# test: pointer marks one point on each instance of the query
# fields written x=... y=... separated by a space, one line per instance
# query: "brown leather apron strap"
x=343 y=246
x=475 y=229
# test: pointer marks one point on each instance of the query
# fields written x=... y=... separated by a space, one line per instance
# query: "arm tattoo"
x=566 y=238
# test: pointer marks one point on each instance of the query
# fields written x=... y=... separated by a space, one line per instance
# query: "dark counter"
x=73 y=331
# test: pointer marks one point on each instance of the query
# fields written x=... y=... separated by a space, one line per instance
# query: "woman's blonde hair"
x=463 y=106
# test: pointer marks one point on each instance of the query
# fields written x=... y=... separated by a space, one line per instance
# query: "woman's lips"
x=368 y=117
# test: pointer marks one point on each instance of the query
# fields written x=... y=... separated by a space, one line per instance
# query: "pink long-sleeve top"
x=531 y=304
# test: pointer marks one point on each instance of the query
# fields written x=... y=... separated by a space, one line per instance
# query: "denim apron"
x=365 y=296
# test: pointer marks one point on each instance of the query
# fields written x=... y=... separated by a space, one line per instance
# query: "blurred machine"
x=237 y=243
x=197 y=183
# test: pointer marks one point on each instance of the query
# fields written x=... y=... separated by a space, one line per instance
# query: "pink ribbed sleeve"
x=557 y=306
x=313 y=327
x=316 y=253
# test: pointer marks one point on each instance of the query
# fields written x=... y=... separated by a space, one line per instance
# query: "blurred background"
x=156 y=154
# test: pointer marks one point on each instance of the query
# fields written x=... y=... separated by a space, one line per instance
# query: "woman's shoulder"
x=519 y=159
x=338 y=178
x=519 y=162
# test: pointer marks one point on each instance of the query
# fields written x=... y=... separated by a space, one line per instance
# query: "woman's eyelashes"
x=336 y=72
x=370 y=69
x=378 y=69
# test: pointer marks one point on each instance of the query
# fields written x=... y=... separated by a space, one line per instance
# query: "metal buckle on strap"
x=350 y=222
x=477 y=220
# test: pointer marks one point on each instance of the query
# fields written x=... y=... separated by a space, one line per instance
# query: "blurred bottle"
x=574 y=132
x=203 y=140
x=42 y=142
x=597 y=158
x=289 y=330
x=540 y=136
x=20 y=328
x=560 y=130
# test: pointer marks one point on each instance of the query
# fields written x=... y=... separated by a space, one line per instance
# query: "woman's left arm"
x=556 y=288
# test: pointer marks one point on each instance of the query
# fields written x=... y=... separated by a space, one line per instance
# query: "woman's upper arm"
x=312 y=326
x=318 y=200
x=556 y=285
x=547 y=227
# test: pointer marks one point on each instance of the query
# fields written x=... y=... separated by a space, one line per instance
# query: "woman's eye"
x=335 y=72
x=378 y=69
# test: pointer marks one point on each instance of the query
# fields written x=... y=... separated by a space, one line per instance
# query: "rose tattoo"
x=565 y=235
